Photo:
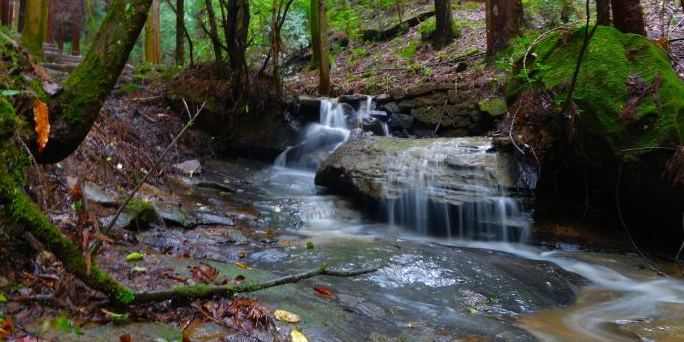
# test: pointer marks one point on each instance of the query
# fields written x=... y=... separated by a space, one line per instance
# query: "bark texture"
x=237 y=28
x=603 y=12
x=315 y=40
x=50 y=34
x=33 y=35
x=152 y=35
x=76 y=39
x=628 y=16
x=180 y=32
x=444 y=28
x=324 y=62
x=75 y=109
x=504 y=18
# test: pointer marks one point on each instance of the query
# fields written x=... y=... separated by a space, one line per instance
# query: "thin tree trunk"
x=50 y=34
x=315 y=36
x=4 y=12
x=22 y=15
x=213 y=33
x=10 y=14
x=504 y=18
x=152 y=35
x=324 y=62
x=33 y=35
x=60 y=37
x=76 y=39
x=275 y=43
x=603 y=12
x=77 y=106
x=628 y=16
x=180 y=32
x=444 y=28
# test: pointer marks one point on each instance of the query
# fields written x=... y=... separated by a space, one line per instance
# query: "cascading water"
x=336 y=121
x=454 y=188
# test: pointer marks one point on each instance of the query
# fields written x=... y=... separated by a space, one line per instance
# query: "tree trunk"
x=22 y=15
x=50 y=33
x=236 y=37
x=275 y=43
x=180 y=32
x=10 y=14
x=33 y=35
x=5 y=12
x=313 y=26
x=74 y=110
x=60 y=37
x=603 y=12
x=152 y=37
x=213 y=35
x=628 y=16
x=324 y=62
x=444 y=28
x=504 y=18
x=76 y=39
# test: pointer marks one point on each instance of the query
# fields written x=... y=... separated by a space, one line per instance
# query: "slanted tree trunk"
x=603 y=12
x=444 y=28
x=323 y=60
x=315 y=35
x=213 y=35
x=180 y=32
x=22 y=15
x=74 y=110
x=628 y=16
x=33 y=35
x=152 y=53
x=76 y=39
x=50 y=34
x=504 y=18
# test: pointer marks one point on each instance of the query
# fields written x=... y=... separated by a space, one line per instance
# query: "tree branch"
x=207 y=291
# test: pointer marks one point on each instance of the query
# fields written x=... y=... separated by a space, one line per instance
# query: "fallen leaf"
x=286 y=316
x=297 y=336
x=3 y=298
x=242 y=266
x=135 y=256
x=322 y=291
x=204 y=273
x=242 y=255
x=41 y=117
x=125 y=338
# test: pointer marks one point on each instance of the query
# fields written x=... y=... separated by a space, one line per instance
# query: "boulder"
x=391 y=107
x=627 y=98
x=400 y=122
x=96 y=194
x=188 y=167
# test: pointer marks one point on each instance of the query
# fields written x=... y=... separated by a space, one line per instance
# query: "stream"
x=466 y=276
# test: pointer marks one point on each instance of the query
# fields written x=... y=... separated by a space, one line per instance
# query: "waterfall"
x=454 y=188
x=336 y=121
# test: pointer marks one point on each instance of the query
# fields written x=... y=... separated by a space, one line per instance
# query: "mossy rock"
x=613 y=63
x=138 y=215
x=627 y=97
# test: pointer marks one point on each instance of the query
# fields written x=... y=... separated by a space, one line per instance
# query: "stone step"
x=68 y=67
x=61 y=58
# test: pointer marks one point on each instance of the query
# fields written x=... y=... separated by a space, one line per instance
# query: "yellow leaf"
x=41 y=117
x=135 y=256
x=286 y=316
x=297 y=336
x=242 y=266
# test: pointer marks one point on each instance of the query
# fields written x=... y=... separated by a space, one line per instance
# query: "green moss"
x=137 y=206
x=130 y=88
x=602 y=87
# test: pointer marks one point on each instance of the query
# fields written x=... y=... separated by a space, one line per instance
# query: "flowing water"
x=621 y=301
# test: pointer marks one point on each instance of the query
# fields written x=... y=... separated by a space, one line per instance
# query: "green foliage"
x=409 y=50
x=427 y=28
x=130 y=88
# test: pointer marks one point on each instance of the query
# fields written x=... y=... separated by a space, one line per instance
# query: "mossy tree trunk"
x=152 y=35
x=603 y=12
x=77 y=106
x=628 y=16
x=444 y=24
x=33 y=35
x=504 y=18
x=323 y=59
x=315 y=35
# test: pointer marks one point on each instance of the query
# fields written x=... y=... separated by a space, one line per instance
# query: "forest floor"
x=377 y=67
x=137 y=124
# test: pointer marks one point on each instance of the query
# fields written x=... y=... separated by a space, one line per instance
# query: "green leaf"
x=13 y=92
x=3 y=299
x=135 y=256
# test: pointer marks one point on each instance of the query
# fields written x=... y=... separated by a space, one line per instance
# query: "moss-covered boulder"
x=627 y=97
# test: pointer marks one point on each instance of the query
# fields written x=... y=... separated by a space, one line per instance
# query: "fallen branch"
x=207 y=291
